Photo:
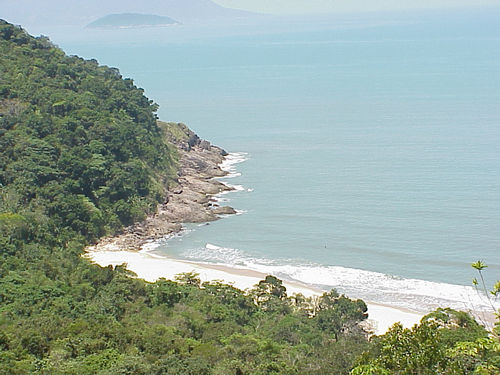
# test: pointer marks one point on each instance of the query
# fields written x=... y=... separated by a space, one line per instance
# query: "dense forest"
x=81 y=156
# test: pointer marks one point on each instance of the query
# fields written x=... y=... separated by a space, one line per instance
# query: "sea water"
x=365 y=158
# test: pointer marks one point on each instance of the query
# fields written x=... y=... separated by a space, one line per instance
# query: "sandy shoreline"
x=193 y=199
x=151 y=267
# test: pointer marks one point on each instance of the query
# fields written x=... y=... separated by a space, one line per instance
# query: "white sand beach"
x=151 y=267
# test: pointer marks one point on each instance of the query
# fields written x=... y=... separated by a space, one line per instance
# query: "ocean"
x=365 y=153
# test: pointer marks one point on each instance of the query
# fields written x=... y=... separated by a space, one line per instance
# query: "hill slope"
x=77 y=141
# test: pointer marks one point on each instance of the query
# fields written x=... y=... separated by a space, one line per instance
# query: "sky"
x=336 y=6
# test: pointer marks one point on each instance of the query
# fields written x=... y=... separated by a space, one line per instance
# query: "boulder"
x=224 y=210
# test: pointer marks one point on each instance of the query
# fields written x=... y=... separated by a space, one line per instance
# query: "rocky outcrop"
x=188 y=200
x=225 y=210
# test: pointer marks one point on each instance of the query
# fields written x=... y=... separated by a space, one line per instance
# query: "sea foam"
x=410 y=293
x=413 y=294
x=229 y=162
x=228 y=166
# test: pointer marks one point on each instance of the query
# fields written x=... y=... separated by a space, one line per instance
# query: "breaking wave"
x=414 y=294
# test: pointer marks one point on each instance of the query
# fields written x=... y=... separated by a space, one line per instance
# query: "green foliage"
x=479 y=265
x=459 y=325
x=491 y=295
x=62 y=315
x=445 y=342
x=369 y=370
x=76 y=140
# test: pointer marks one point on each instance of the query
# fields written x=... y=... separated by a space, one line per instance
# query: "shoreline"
x=153 y=267
x=190 y=198
x=195 y=198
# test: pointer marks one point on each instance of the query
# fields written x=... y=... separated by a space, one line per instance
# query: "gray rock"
x=225 y=210
x=189 y=201
x=205 y=145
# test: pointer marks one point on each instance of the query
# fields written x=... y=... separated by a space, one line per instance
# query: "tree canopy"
x=79 y=145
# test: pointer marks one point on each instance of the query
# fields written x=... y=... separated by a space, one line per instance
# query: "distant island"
x=131 y=20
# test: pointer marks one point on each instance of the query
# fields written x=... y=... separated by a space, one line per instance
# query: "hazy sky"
x=324 y=6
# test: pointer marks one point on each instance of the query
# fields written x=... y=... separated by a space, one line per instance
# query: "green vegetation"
x=175 y=132
x=445 y=342
x=125 y=20
x=81 y=155
x=80 y=149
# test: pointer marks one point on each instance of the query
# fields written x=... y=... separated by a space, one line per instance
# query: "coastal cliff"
x=189 y=198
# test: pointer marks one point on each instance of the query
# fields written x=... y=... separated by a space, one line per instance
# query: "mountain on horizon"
x=58 y=13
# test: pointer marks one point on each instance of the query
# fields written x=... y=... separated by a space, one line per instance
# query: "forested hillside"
x=81 y=156
x=80 y=148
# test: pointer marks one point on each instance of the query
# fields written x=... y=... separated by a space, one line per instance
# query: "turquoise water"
x=371 y=154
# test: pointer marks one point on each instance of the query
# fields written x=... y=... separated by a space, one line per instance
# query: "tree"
x=269 y=294
x=491 y=296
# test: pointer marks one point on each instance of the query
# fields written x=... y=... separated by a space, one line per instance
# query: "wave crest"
x=414 y=294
